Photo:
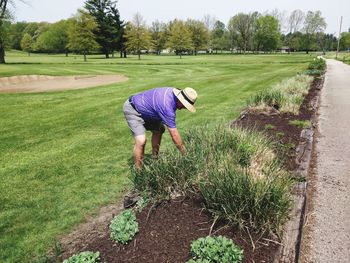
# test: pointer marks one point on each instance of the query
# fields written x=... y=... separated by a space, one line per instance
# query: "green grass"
x=64 y=154
x=301 y=123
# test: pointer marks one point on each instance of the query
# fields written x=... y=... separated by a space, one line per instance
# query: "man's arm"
x=175 y=135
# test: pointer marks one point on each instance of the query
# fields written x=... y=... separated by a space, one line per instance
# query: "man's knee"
x=140 y=140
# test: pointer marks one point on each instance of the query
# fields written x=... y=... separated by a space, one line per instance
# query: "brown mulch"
x=167 y=230
x=286 y=135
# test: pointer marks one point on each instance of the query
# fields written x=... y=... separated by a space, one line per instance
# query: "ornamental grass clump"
x=169 y=174
x=215 y=249
x=286 y=96
x=123 y=227
x=236 y=171
x=246 y=184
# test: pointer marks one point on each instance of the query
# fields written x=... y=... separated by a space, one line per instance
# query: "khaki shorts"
x=137 y=125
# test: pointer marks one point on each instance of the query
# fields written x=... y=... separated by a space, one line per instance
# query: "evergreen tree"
x=109 y=30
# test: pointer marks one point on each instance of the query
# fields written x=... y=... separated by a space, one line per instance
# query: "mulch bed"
x=167 y=230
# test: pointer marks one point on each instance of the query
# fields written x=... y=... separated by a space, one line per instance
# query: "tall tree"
x=295 y=21
x=345 y=41
x=27 y=43
x=209 y=22
x=16 y=34
x=108 y=32
x=138 y=37
x=199 y=34
x=159 y=36
x=242 y=24
x=80 y=33
x=180 y=37
x=314 y=23
x=4 y=16
x=218 y=36
x=267 y=34
x=281 y=17
x=55 y=39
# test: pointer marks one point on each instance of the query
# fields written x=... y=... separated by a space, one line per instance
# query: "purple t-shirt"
x=157 y=104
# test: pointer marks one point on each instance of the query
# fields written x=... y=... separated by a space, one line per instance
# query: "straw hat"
x=187 y=96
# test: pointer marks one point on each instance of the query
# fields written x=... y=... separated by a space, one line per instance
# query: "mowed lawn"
x=64 y=154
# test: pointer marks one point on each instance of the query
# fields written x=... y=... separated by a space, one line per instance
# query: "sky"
x=166 y=10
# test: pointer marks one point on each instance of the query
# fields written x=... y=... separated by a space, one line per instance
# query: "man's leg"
x=139 y=150
x=156 y=140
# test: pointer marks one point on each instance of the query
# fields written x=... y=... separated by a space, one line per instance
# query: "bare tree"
x=209 y=21
x=314 y=22
x=295 y=21
x=242 y=25
x=281 y=17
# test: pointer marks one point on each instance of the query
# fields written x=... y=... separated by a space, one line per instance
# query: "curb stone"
x=292 y=234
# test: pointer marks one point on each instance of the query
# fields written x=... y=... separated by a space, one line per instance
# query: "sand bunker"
x=42 y=83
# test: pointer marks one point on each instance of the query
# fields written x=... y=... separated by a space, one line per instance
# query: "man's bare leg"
x=156 y=140
x=139 y=150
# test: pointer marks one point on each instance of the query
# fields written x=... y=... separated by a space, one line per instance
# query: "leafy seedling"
x=215 y=249
x=269 y=127
x=124 y=227
x=84 y=257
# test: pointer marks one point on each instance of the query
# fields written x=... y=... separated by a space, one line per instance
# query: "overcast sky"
x=165 y=10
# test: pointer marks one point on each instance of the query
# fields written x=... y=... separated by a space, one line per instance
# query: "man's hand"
x=175 y=135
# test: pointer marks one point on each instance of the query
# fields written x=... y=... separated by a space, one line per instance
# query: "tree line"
x=97 y=27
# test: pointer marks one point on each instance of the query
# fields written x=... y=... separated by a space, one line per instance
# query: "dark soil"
x=167 y=230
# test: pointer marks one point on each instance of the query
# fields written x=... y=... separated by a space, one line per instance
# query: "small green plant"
x=269 y=127
x=280 y=135
x=124 y=227
x=142 y=202
x=313 y=72
x=215 y=249
x=84 y=257
x=301 y=124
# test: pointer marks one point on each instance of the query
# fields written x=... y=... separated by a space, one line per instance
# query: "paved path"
x=327 y=238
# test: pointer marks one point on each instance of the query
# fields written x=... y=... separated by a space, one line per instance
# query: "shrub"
x=84 y=257
x=313 y=72
x=215 y=249
x=317 y=64
x=124 y=227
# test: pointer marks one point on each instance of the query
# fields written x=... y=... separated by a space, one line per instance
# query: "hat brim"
x=182 y=99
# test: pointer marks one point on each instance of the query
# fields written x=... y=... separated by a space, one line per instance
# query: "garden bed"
x=166 y=232
x=168 y=229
